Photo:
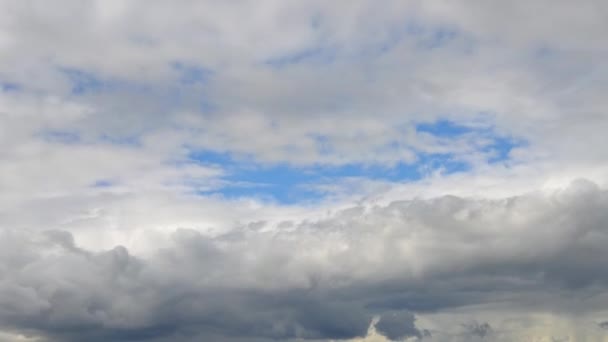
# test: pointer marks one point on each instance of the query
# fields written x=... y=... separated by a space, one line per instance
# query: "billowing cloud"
x=246 y=171
x=399 y=325
x=320 y=280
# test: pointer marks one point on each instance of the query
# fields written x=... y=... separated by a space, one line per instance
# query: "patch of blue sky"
x=544 y=51
x=170 y=94
x=287 y=184
x=443 y=128
x=316 y=55
x=83 y=81
x=441 y=37
x=422 y=36
x=102 y=183
x=189 y=74
x=245 y=178
x=127 y=141
x=498 y=149
x=316 y=21
x=87 y=82
x=67 y=137
x=60 y=137
x=8 y=87
x=206 y=106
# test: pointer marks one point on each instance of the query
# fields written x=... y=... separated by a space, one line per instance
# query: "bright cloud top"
x=281 y=170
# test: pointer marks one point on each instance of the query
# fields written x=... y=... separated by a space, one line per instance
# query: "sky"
x=303 y=170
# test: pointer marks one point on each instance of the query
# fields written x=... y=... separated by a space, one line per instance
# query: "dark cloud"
x=399 y=325
x=324 y=279
x=73 y=296
x=477 y=329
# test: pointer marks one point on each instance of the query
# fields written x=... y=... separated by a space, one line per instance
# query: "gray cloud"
x=325 y=280
x=102 y=102
x=392 y=66
x=399 y=325
x=481 y=330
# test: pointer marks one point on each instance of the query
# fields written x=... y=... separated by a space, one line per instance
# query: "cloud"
x=399 y=325
x=393 y=69
x=481 y=330
x=326 y=279
x=452 y=150
x=365 y=102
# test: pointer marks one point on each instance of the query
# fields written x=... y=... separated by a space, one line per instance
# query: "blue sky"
x=289 y=184
x=246 y=176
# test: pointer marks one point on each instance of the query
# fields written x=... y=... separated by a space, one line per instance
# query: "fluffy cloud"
x=322 y=279
x=124 y=127
x=397 y=326
x=317 y=82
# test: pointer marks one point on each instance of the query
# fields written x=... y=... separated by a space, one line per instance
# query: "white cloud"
x=102 y=102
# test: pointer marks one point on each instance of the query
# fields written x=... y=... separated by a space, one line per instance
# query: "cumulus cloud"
x=319 y=280
x=452 y=150
x=399 y=325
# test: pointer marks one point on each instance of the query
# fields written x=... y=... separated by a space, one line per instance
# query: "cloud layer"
x=322 y=279
x=275 y=171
